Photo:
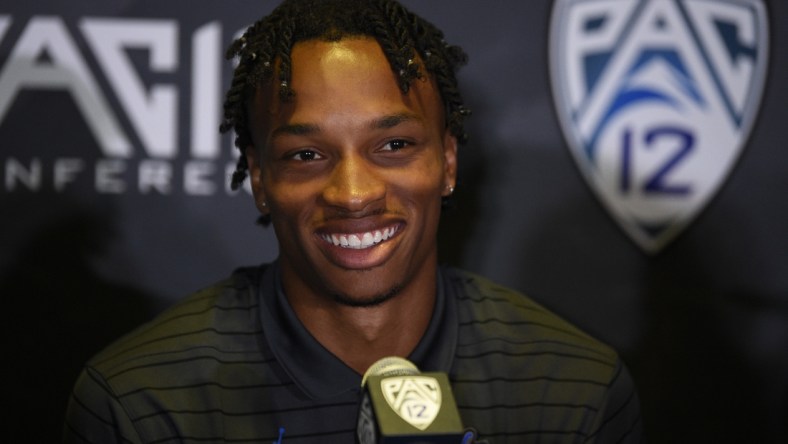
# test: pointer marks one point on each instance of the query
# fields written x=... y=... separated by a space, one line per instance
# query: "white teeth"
x=361 y=240
x=367 y=240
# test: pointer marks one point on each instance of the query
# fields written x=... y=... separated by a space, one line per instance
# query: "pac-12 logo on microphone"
x=656 y=99
x=416 y=399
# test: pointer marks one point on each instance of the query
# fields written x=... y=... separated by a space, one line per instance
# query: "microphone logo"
x=402 y=405
x=415 y=398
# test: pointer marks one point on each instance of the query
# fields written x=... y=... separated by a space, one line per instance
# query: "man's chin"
x=367 y=301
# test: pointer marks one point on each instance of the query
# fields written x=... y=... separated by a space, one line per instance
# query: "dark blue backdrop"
x=97 y=236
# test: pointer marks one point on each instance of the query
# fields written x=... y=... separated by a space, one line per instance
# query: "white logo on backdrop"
x=656 y=99
x=45 y=56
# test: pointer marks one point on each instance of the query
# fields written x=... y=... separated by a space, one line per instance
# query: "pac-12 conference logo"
x=154 y=119
x=416 y=399
x=656 y=99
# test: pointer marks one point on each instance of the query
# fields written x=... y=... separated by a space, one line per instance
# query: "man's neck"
x=359 y=336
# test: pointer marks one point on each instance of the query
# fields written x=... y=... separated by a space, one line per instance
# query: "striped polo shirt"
x=233 y=363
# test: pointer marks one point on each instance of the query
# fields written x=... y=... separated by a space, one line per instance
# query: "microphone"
x=403 y=405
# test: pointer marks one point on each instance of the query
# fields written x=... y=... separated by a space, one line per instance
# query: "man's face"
x=352 y=172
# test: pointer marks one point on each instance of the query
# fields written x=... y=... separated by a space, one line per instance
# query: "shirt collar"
x=318 y=372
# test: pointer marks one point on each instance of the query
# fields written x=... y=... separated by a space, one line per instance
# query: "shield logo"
x=416 y=399
x=656 y=99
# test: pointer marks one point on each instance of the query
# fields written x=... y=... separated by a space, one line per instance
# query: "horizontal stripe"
x=518 y=323
x=509 y=341
x=225 y=413
x=183 y=361
x=273 y=385
x=532 y=354
x=531 y=379
x=527 y=405
x=287 y=437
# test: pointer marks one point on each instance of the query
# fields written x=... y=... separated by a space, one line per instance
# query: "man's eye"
x=305 y=156
x=396 y=145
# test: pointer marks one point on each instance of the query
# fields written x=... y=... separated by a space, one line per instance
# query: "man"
x=348 y=118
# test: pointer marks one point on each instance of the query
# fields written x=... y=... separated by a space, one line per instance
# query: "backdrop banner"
x=626 y=167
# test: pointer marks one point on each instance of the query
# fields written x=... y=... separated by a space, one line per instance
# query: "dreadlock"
x=401 y=34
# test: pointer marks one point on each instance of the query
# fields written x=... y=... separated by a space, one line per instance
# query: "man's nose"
x=354 y=185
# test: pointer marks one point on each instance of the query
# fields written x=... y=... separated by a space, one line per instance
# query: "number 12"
x=656 y=184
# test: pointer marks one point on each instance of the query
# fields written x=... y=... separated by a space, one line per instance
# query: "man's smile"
x=356 y=245
x=360 y=241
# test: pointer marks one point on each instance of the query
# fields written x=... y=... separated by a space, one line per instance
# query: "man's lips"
x=361 y=240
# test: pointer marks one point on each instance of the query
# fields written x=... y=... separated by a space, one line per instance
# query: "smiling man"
x=352 y=172
x=348 y=118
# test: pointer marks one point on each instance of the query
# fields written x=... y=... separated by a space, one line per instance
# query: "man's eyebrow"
x=304 y=129
x=295 y=129
x=394 y=120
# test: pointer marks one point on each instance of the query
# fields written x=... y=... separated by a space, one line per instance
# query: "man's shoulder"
x=205 y=351
x=203 y=323
x=488 y=309
x=516 y=359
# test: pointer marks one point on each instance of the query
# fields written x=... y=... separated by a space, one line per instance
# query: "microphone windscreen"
x=390 y=366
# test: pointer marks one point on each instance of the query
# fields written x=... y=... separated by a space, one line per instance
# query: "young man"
x=348 y=117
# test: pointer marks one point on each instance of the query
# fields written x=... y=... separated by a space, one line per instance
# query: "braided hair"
x=402 y=35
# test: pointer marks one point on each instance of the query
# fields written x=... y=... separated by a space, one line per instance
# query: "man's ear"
x=256 y=178
x=449 y=162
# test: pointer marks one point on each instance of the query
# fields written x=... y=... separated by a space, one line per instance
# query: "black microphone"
x=403 y=405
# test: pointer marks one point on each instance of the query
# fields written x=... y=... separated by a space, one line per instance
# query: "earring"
x=451 y=189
